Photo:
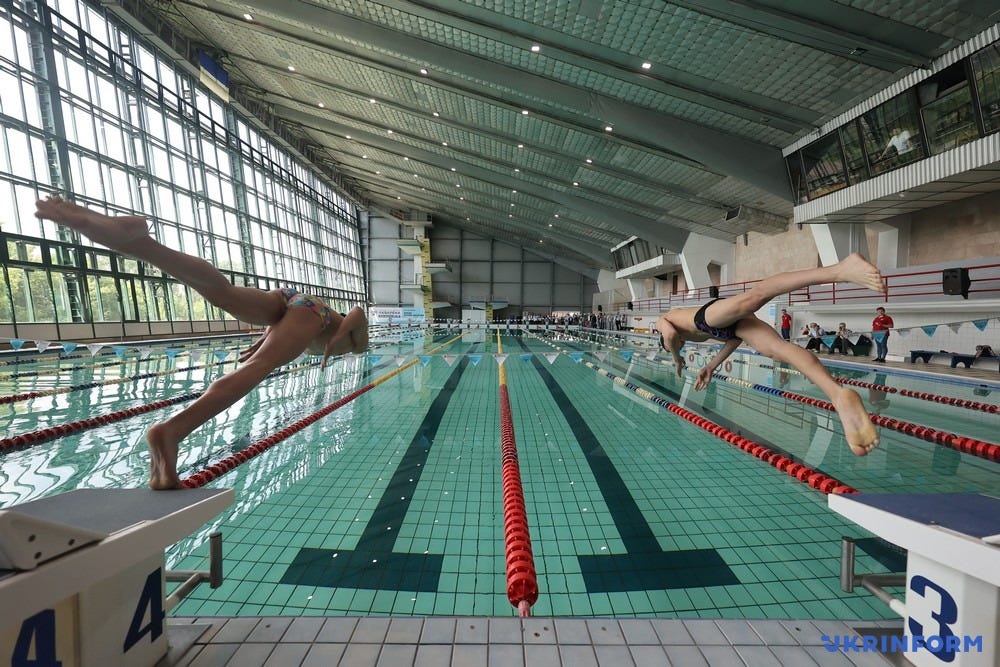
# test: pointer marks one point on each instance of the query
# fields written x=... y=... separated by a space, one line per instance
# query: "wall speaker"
x=630 y=305
x=713 y=292
x=600 y=308
x=956 y=281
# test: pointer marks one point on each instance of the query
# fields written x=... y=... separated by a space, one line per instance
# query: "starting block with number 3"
x=952 y=607
x=82 y=579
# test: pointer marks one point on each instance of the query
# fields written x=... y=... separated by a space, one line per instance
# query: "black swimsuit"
x=722 y=333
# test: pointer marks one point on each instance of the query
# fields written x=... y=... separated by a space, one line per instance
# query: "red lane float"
x=522 y=580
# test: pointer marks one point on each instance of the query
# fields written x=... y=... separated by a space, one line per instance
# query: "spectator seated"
x=957 y=358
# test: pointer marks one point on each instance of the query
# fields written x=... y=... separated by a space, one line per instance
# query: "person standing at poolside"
x=881 y=323
x=786 y=325
x=732 y=321
x=296 y=323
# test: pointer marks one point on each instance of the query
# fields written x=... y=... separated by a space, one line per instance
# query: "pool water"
x=392 y=503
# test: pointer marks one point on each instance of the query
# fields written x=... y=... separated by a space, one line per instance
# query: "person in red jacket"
x=786 y=325
x=882 y=322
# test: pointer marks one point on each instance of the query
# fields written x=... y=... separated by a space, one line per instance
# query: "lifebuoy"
x=728 y=366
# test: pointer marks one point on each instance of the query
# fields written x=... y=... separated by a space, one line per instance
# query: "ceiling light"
x=458 y=185
x=575 y=183
x=516 y=169
x=444 y=143
x=557 y=215
x=389 y=131
x=347 y=136
x=372 y=100
x=423 y=71
x=365 y=157
x=466 y=218
x=524 y=112
x=514 y=191
x=535 y=48
x=291 y=68
x=453 y=169
x=415 y=176
x=608 y=128
x=248 y=17
x=520 y=145
x=379 y=173
x=550 y=224
x=511 y=204
x=321 y=105
x=589 y=161
x=461 y=198
x=510 y=215
x=647 y=65
x=436 y=114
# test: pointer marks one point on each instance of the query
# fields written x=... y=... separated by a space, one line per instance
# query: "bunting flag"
x=500 y=358
x=16 y=343
x=879 y=336
x=955 y=326
x=602 y=355
x=374 y=358
x=221 y=355
x=526 y=357
x=576 y=356
x=70 y=348
x=197 y=356
x=828 y=340
x=449 y=358
x=119 y=350
x=42 y=345
x=95 y=348
x=929 y=329
x=145 y=352
x=904 y=333
x=981 y=324
x=626 y=354
x=171 y=353
x=551 y=356
x=475 y=359
x=425 y=359
x=399 y=359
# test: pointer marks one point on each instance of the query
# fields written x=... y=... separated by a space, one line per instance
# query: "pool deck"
x=476 y=641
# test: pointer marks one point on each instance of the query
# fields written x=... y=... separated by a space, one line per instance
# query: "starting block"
x=952 y=581
x=82 y=578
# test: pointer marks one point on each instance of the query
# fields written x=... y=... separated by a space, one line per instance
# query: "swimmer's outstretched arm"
x=705 y=374
x=353 y=328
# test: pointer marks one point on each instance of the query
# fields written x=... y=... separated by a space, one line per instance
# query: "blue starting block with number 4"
x=952 y=581
x=82 y=577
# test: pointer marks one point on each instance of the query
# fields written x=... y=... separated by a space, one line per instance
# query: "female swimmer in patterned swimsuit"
x=296 y=323
x=732 y=321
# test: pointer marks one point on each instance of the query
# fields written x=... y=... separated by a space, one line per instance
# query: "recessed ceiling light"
x=444 y=143
x=540 y=241
x=647 y=65
x=453 y=169
x=550 y=224
x=291 y=68
x=557 y=215
x=415 y=176
x=248 y=16
x=389 y=131
x=347 y=136
x=423 y=71
x=466 y=218
x=321 y=105
x=589 y=161
x=535 y=48
x=575 y=183
x=524 y=112
x=511 y=204
x=405 y=158
x=398 y=197
x=520 y=145
x=510 y=215
x=372 y=100
x=458 y=185
x=608 y=128
x=364 y=157
x=461 y=198
x=516 y=169
x=437 y=115
x=514 y=191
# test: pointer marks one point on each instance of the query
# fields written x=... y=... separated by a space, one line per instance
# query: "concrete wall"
x=766 y=254
x=484 y=269
x=964 y=229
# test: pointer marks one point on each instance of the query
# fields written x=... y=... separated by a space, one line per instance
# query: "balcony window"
x=892 y=133
x=986 y=70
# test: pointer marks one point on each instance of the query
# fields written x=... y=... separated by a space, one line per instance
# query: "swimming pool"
x=392 y=503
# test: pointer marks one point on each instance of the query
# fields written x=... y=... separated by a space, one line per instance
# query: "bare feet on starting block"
x=163 y=459
x=115 y=232
x=858 y=428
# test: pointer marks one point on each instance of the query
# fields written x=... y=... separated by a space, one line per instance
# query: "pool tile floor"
x=478 y=641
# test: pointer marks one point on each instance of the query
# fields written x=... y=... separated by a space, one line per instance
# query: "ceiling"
x=451 y=110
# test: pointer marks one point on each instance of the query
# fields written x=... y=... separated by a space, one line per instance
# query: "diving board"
x=100 y=600
x=952 y=571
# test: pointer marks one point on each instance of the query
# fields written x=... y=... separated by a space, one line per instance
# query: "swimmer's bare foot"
x=163 y=459
x=858 y=428
x=858 y=270
x=115 y=232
